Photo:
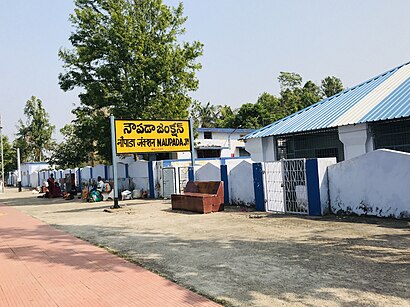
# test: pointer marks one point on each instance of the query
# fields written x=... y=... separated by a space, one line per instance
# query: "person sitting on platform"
x=96 y=195
x=51 y=186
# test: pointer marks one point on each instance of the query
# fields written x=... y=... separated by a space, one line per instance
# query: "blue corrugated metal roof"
x=343 y=108
x=396 y=105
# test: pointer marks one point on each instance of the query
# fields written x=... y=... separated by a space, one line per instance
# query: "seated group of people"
x=102 y=189
x=53 y=190
x=96 y=194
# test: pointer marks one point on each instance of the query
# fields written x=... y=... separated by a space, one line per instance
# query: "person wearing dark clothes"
x=51 y=187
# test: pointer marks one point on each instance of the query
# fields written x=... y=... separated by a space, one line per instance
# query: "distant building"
x=218 y=143
x=372 y=115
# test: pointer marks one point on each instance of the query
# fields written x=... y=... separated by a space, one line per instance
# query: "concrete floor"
x=242 y=260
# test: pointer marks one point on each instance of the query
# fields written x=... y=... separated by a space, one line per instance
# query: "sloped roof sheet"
x=386 y=96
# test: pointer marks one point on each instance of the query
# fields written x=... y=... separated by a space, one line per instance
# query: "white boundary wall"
x=211 y=171
x=323 y=164
x=138 y=174
x=86 y=173
x=240 y=178
x=376 y=183
x=99 y=170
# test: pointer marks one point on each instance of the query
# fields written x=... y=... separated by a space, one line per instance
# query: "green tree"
x=34 y=137
x=331 y=86
x=294 y=96
x=310 y=94
x=272 y=107
x=289 y=81
x=266 y=110
x=250 y=116
x=128 y=61
x=70 y=153
x=225 y=118
x=209 y=115
x=9 y=156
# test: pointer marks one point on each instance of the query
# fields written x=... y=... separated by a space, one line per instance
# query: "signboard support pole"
x=191 y=132
x=114 y=163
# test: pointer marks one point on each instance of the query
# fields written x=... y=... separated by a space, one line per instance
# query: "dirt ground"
x=244 y=258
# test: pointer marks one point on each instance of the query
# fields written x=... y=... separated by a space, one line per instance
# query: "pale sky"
x=247 y=43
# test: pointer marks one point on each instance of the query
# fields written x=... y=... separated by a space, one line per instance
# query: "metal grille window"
x=322 y=144
x=392 y=135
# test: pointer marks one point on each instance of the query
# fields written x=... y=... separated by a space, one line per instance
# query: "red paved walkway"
x=42 y=266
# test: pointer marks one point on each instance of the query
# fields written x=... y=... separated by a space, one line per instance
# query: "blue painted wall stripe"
x=191 y=176
x=126 y=171
x=151 y=180
x=166 y=163
x=105 y=172
x=313 y=191
x=224 y=178
x=258 y=186
x=91 y=173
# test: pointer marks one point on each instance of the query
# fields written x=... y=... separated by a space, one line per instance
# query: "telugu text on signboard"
x=143 y=136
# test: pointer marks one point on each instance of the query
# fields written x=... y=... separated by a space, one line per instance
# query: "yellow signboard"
x=150 y=136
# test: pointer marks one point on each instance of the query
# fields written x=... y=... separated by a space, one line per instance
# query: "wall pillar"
x=269 y=149
x=255 y=148
x=312 y=185
x=151 y=180
x=224 y=178
x=258 y=186
x=356 y=140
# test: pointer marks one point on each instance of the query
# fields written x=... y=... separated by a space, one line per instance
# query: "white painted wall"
x=157 y=172
x=33 y=182
x=323 y=164
x=185 y=155
x=255 y=148
x=110 y=173
x=138 y=173
x=138 y=169
x=240 y=178
x=27 y=169
x=98 y=170
x=120 y=169
x=377 y=182
x=85 y=173
x=208 y=172
x=269 y=149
